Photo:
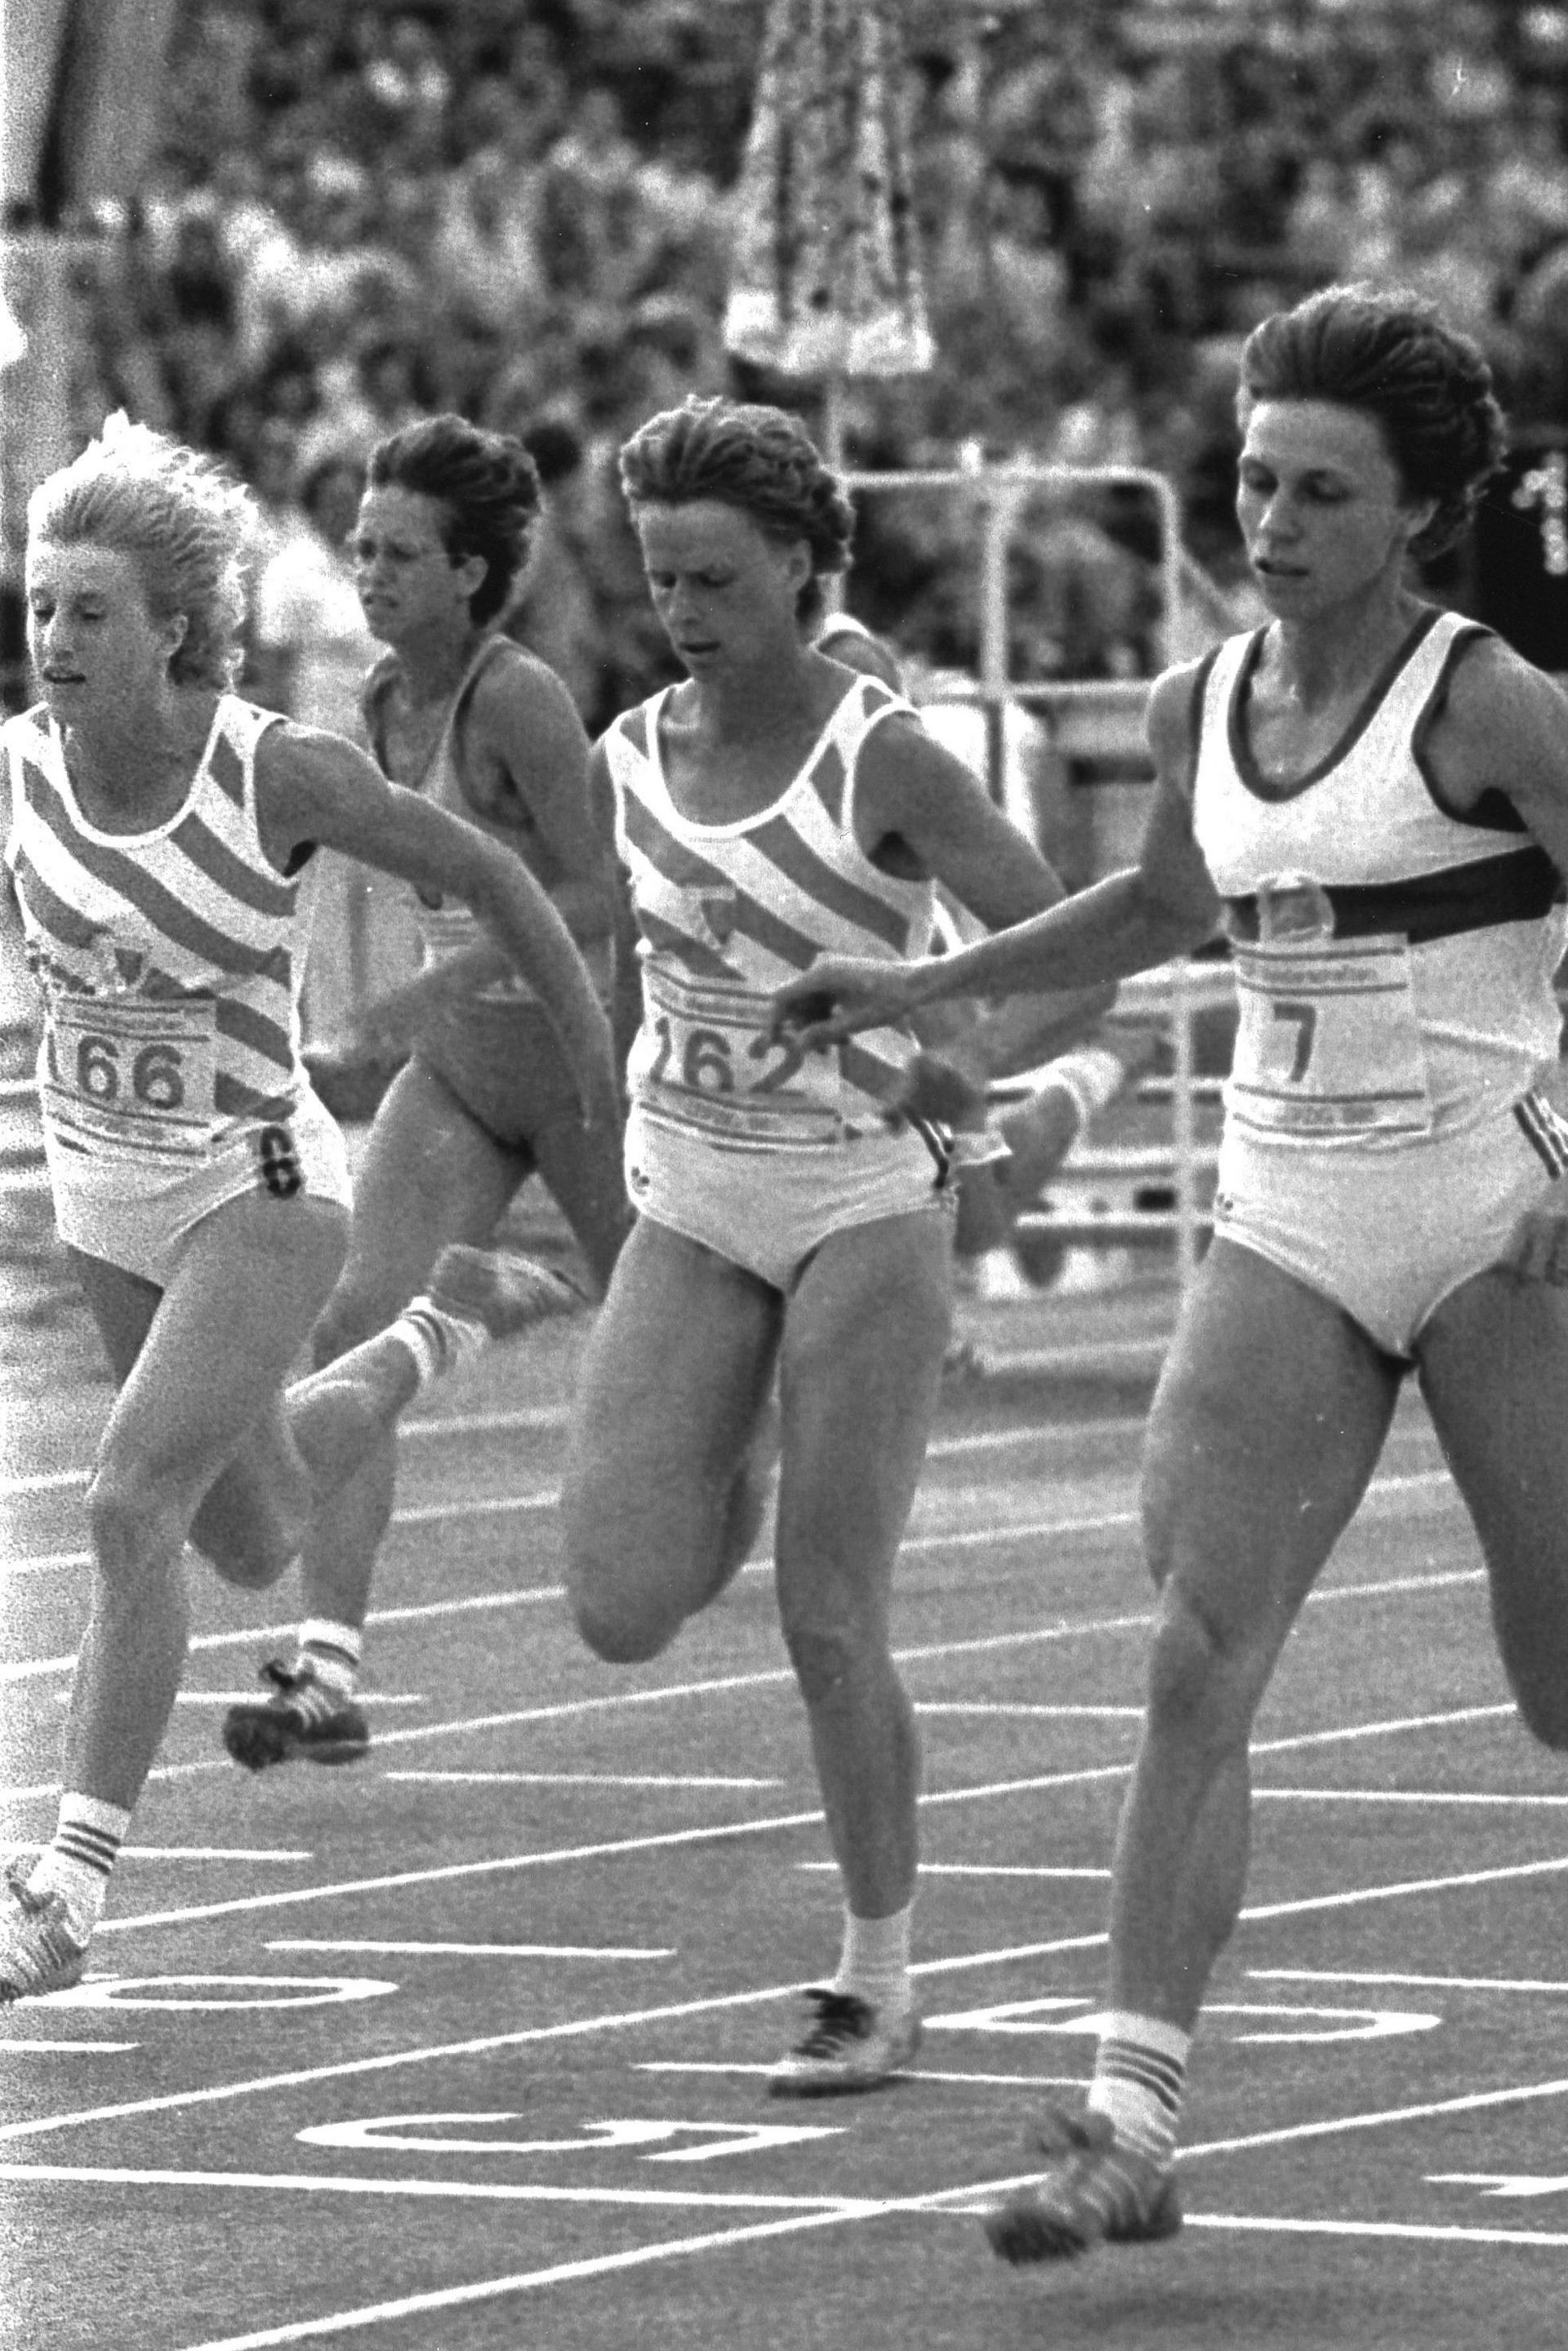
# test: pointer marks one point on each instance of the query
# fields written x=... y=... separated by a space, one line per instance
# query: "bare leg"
x=1257 y=1454
x=431 y=1176
x=859 y=1379
x=671 y=1396
x=1493 y=1366
x=195 y=1425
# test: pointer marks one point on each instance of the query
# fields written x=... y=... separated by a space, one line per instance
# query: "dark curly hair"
x=1389 y=354
x=757 y=459
x=488 y=488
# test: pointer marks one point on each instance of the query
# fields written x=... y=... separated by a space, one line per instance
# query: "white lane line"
x=558 y=1416
x=597 y=2265
x=477 y=1950
x=190 y=1851
x=952 y=2201
x=1398 y=1977
x=1419 y=2232
x=1402 y=1796
x=777 y=1676
x=1331 y=2126
x=578 y=1779
x=375 y=1698
x=906 y=2073
x=67 y=2048
x=1408 y=1886
x=492 y=2192
x=441 y=1514
x=963 y=1706
x=981 y=1869
x=577 y=2028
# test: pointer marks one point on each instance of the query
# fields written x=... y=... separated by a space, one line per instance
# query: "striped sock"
x=1140 y=2073
x=77 y=1865
x=332 y=1650
x=438 y=1339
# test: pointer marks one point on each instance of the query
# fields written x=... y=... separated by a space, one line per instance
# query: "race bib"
x=131 y=1075
x=1328 y=1042
x=702 y=1060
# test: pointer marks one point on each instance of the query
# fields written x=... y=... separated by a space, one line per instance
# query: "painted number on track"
x=429 y=2134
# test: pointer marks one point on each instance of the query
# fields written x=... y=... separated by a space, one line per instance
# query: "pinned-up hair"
x=1391 y=354
x=757 y=459
x=488 y=487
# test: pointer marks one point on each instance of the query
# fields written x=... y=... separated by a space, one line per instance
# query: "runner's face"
x=408 y=583
x=96 y=649
x=1321 y=506
x=727 y=595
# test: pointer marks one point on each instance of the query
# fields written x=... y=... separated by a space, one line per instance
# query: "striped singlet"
x=169 y=960
x=726 y=912
x=1393 y=957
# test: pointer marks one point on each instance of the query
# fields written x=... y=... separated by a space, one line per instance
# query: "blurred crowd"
x=359 y=214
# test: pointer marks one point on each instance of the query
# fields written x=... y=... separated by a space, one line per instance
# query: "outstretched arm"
x=1163 y=905
x=313 y=787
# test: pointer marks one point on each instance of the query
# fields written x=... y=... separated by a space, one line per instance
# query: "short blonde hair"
x=187 y=525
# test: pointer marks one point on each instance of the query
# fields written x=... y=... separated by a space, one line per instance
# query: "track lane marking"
x=578 y=2027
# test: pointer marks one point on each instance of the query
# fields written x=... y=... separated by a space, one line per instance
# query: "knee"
x=1196 y=1690
x=251 y=1558
x=828 y=1656
x=250 y=1547
x=616 y=1627
x=134 y=1519
x=1542 y=1705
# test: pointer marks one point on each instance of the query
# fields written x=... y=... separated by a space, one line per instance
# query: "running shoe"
x=500 y=1289
x=39 y=1949
x=849 y=2046
x=302 y=1715
x=1098 y=2190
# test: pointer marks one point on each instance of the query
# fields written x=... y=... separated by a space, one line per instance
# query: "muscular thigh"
x=1493 y=1366
x=860 y=1371
x=1267 y=1424
x=431 y=1175
x=200 y=1387
x=674 y=1380
x=586 y=1180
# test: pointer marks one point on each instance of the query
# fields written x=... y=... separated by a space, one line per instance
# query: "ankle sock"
x=332 y=1650
x=77 y=1865
x=1094 y=1076
x=438 y=1339
x=1140 y=2075
x=873 y=1962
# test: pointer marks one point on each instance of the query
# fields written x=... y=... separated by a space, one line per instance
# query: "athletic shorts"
x=138 y=1213
x=1390 y=1235
x=505 y=1064
x=769 y=1210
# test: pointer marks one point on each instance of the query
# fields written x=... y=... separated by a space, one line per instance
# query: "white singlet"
x=1393 y=959
x=1385 y=1128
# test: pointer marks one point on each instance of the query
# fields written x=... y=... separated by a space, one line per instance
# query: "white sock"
x=874 y=1961
x=332 y=1650
x=76 y=1865
x=438 y=1339
x=1092 y=1076
x=1140 y=2073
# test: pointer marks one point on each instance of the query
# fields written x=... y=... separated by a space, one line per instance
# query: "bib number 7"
x=1303 y=1018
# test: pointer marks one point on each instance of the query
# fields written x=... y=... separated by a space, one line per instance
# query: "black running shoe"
x=849 y=2046
x=302 y=1716
x=1099 y=2190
